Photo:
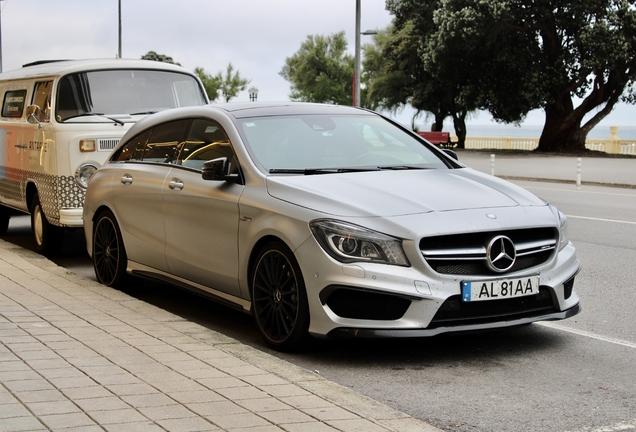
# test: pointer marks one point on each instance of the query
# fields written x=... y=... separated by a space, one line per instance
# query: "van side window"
x=134 y=150
x=13 y=104
x=42 y=98
x=206 y=141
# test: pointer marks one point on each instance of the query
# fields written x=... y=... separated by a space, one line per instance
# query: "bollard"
x=578 y=173
x=492 y=164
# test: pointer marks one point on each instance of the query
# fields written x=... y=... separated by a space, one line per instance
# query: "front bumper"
x=425 y=292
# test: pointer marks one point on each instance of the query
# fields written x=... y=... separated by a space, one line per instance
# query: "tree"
x=397 y=76
x=511 y=56
x=151 y=55
x=227 y=87
x=321 y=71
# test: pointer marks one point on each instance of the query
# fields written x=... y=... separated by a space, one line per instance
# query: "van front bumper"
x=71 y=218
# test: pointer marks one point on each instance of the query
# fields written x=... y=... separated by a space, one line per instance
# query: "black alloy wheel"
x=49 y=239
x=279 y=300
x=109 y=254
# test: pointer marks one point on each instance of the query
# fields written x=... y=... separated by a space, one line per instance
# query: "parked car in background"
x=59 y=122
x=325 y=220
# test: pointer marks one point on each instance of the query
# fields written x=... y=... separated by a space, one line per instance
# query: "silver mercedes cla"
x=325 y=220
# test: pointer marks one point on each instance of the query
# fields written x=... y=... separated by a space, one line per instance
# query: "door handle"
x=126 y=179
x=175 y=184
x=22 y=146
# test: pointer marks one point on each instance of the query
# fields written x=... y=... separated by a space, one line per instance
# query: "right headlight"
x=564 y=238
x=350 y=243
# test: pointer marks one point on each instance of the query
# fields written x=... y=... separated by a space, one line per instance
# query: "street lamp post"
x=356 y=71
x=253 y=92
x=119 y=26
x=1 y=36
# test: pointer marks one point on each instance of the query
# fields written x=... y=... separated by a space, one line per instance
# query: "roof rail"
x=39 y=62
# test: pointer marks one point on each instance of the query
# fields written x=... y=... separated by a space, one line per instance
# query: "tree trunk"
x=562 y=130
x=459 y=122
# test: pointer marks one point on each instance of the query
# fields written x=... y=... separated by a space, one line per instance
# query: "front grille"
x=455 y=312
x=465 y=254
x=107 y=144
x=357 y=304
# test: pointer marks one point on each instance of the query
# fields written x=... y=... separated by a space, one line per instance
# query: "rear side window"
x=159 y=144
x=13 y=104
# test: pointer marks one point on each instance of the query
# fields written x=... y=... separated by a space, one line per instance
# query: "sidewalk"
x=605 y=171
x=78 y=356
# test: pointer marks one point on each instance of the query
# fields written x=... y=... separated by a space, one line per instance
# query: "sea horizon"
x=534 y=131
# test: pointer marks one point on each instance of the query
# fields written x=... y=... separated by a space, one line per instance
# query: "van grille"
x=107 y=144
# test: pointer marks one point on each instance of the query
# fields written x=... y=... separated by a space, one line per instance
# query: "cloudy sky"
x=256 y=36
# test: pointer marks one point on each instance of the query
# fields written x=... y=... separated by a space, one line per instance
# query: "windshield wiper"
x=119 y=122
x=143 y=113
x=312 y=171
x=401 y=167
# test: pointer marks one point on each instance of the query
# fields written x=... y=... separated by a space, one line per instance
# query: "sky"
x=256 y=36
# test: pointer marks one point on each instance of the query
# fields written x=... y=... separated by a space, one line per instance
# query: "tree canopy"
x=225 y=86
x=151 y=55
x=511 y=56
x=321 y=71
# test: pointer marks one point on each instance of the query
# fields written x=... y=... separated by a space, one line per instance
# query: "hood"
x=396 y=193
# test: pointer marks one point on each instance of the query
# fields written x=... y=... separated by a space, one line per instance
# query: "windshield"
x=124 y=92
x=333 y=143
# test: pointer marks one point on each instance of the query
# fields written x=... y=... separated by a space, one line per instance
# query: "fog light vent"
x=567 y=288
x=356 y=304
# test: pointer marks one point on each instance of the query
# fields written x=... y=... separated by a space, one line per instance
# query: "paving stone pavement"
x=78 y=356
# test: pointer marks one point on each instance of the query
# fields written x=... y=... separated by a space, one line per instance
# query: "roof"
x=62 y=67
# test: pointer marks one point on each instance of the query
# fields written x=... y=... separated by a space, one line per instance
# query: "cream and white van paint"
x=59 y=122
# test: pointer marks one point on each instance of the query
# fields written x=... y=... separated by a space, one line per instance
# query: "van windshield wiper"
x=143 y=113
x=87 y=114
x=401 y=167
x=313 y=171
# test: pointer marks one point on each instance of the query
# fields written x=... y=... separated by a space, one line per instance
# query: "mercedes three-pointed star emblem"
x=501 y=254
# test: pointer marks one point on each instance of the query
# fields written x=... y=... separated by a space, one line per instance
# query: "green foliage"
x=151 y=55
x=321 y=71
x=227 y=87
x=510 y=56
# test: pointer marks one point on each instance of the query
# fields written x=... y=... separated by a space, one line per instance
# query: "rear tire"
x=49 y=239
x=279 y=299
x=109 y=254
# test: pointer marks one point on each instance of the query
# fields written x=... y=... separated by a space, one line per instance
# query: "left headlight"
x=84 y=172
x=349 y=243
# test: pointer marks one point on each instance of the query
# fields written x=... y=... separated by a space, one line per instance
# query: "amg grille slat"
x=465 y=254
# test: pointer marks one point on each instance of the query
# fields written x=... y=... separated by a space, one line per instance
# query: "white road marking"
x=622 y=426
x=601 y=219
x=579 y=191
x=589 y=334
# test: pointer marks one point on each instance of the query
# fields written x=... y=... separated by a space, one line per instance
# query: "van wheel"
x=279 y=300
x=49 y=238
x=4 y=220
x=109 y=254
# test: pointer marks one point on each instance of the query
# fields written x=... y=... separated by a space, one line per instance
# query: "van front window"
x=124 y=92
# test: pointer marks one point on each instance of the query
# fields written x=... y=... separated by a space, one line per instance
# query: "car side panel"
x=137 y=204
x=201 y=220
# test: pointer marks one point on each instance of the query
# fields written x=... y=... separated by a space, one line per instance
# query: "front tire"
x=109 y=254
x=279 y=299
x=49 y=239
x=4 y=220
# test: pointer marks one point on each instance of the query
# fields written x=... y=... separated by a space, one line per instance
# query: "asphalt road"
x=573 y=375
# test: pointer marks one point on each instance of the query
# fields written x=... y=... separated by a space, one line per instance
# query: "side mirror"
x=450 y=153
x=219 y=170
x=33 y=112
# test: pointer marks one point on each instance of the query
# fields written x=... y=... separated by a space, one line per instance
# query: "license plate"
x=499 y=289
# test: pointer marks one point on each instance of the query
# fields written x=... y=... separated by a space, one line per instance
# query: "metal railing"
x=613 y=144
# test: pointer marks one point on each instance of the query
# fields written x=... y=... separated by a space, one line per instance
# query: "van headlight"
x=84 y=172
x=350 y=243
